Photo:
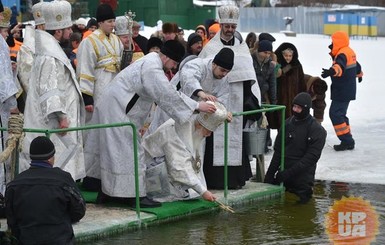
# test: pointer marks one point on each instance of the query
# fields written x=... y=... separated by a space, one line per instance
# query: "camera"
x=23 y=26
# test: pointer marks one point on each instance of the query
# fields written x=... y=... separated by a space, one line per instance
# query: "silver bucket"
x=255 y=140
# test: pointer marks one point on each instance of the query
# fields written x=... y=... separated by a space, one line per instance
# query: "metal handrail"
x=265 y=108
x=48 y=133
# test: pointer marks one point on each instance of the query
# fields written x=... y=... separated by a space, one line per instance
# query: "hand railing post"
x=225 y=170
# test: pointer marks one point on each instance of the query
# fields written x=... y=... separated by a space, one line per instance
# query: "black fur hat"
x=169 y=27
x=154 y=42
x=104 y=12
x=174 y=50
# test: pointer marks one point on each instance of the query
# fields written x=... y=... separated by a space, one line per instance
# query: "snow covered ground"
x=366 y=163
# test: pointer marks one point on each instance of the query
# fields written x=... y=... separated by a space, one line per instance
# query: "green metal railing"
x=265 y=108
x=48 y=133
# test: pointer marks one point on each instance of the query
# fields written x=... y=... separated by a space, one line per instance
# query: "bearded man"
x=177 y=148
x=244 y=95
x=54 y=100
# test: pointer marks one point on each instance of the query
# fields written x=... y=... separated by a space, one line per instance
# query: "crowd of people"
x=177 y=93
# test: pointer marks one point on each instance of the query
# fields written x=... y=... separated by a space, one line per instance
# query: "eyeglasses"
x=228 y=26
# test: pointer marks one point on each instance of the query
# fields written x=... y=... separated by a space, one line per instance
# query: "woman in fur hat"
x=290 y=79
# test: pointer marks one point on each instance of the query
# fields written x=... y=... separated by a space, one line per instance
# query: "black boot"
x=344 y=147
x=145 y=202
x=102 y=198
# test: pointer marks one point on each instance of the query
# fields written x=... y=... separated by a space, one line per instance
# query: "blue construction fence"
x=353 y=24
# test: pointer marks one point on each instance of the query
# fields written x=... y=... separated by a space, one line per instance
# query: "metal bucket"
x=255 y=140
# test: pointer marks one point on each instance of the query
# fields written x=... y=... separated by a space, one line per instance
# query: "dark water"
x=280 y=221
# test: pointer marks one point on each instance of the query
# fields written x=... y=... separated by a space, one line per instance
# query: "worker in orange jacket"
x=343 y=72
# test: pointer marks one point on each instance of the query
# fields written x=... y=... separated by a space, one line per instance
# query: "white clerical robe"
x=174 y=142
x=25 y=57
x=53 y=90
x=109 y=152
x=243 y=70
x=98 y=59
x=8 y=90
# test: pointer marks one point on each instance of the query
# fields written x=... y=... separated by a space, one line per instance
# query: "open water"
x=279 y=221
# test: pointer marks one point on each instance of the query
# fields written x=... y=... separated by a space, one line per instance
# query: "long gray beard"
x=197 y=140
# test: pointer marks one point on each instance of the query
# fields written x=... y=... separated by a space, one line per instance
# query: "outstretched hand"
x=327 y=72
x=207 y=97
x=206 y=107
x=208 y=196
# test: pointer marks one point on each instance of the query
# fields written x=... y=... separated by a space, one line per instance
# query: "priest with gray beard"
x=172 y=154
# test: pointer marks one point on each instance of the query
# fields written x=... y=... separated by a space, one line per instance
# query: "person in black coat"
x=304 y=141
x=43 y=202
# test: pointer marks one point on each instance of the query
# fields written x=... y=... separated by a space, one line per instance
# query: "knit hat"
x=211 y=121
x=7 y=17
x=41 y=148
x=81 y=21
x=214 y=28
x=174 y=50
x=154 y=42
x=193 y=38
x=92 y=22
x=169 y=27
x=121 y=26
x=104 y=12
x=265 y=45
x=1 y=7
x=38 y=14
x=225 y=58
x=266 y=36
x=201 y=27
x=57 y=15
x=302 y=99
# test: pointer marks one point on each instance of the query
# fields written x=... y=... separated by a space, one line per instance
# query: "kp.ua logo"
x=352 y=220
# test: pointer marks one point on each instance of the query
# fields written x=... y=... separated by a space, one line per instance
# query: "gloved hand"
x=327 y=72
x=360 y=79
x=286 y=68
x=280 y=176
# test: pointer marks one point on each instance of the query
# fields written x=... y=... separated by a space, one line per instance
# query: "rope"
x=15 y=133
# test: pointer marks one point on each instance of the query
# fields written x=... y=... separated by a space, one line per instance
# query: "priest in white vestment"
x=8 y=88
x=26 y=53
x=179 y=146
x=243 y=88
x=54 y=100
x=98 y=58
x=109 y=152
